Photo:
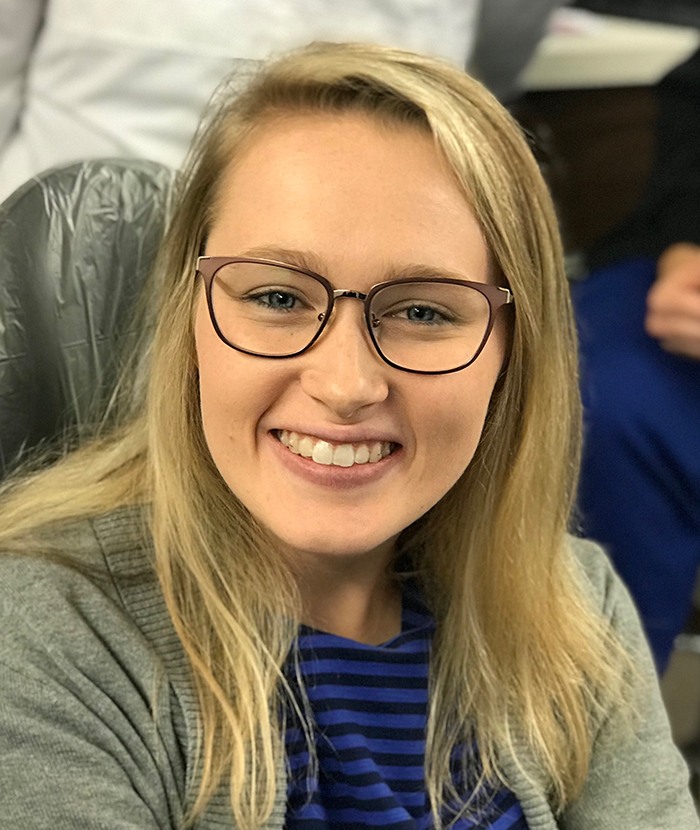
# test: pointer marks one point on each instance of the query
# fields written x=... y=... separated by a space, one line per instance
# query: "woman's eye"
x=283 y=300
x=421 y=314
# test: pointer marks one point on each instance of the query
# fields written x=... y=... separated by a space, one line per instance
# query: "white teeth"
x=344 y=456
x=323 y=453
x=341 y=455
x=306 y=447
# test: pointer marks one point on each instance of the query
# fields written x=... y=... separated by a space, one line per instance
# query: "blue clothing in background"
x=640 y=484
x=370 y=707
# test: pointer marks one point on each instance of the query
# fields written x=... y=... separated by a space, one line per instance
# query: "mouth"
x=338 y=455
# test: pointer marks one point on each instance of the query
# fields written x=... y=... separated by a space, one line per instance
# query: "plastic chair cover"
x=76 y=244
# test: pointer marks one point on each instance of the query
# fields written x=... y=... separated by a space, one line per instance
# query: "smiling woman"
x=338 y=392
x=320 y=576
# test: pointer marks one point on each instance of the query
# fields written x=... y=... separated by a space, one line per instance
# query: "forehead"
x=342 y=186
x=282 y=142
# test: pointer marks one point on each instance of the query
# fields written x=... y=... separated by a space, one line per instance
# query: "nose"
x=342 y=370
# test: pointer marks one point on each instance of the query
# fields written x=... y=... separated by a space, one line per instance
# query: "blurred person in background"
x=94 y=78
x=639 y=321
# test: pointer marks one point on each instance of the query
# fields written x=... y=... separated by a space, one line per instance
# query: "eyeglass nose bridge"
x=371 y=321
x=353 y=295
x=346 y=293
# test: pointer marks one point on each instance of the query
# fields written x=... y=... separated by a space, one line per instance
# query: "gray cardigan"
x=81 y=746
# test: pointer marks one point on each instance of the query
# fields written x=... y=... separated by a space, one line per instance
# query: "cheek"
x=457 y=432
x=203 y=332
x=217 y=386
x=223 y=379
x=452 y=431
x=235 y=392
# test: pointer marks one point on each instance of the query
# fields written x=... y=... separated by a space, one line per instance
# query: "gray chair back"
x=76 y=244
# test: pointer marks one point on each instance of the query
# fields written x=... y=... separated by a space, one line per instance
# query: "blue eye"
x=282 y=300
x=422 y=314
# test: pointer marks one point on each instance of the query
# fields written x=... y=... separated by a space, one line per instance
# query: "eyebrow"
x=309 y=261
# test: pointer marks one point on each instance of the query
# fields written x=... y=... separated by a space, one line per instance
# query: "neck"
x=353 y=599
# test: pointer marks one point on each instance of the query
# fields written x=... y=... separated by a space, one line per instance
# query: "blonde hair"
x=521 y=664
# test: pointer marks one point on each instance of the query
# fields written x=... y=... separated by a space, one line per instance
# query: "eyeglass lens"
x=422 y=326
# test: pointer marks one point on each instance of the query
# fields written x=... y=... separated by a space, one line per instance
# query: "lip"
x=341 y=435
x=339 y=478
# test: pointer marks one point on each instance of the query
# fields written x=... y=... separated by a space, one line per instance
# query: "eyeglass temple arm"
x=509 y=294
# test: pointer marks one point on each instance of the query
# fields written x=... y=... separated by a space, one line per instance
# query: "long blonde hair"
x=521 y=663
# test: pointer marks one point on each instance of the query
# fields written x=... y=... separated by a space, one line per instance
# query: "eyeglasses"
x=424 y=325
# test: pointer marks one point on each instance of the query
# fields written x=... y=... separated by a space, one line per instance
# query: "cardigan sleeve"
x=636 y=780
x=80 y=746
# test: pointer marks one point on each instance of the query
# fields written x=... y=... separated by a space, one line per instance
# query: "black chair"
x=76 y=244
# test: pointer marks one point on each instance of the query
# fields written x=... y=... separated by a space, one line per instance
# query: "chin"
x=333 y=546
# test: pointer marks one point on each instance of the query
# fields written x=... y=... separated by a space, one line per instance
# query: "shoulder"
x=66 y=596
x=611 y=599
x=65 y=561
x=636 y=777
x=601 y=584
x=78 y=558
x=83 y=677
x=594 y=564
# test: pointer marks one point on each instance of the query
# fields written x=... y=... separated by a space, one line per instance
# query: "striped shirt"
x=369 y=705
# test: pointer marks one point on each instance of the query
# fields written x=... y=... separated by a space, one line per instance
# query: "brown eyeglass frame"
x=496 y=297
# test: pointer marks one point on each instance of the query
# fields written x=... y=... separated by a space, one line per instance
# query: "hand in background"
x=673 y=302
